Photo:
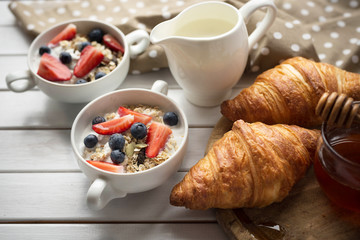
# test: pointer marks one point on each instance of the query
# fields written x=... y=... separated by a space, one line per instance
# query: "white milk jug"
x=207 y=46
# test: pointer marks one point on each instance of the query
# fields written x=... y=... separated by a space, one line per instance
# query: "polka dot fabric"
x=333 y=26
x=322 y=30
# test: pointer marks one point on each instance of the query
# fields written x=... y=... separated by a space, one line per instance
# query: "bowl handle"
x=160 y=86
x=138 y=41
x=100 y=193
x=20 y=76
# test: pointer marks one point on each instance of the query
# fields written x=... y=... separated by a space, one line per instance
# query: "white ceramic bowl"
x=78 y=93
x=107 y=185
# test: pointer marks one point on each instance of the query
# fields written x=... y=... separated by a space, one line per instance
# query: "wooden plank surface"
x=181 y=231
x=7 y=19
x=16 y=41
x=60 y=197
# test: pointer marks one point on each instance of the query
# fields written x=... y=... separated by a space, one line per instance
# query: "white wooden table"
x=42 y=190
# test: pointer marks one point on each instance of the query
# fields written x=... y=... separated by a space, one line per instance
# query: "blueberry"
x=99 y=75
x=83 y=45
x=65 y=57
x=170 y=118
x=80 y=81
x=98 y=119
x=117 y=156
x=90 y=141
x=44 y=49
x=117 y=141
x=96 y=35
x=138 y=130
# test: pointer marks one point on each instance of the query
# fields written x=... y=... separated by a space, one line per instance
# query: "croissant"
x=252 y=165
x=290 y=92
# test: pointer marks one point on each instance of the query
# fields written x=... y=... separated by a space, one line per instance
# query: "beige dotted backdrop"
x=322 y=30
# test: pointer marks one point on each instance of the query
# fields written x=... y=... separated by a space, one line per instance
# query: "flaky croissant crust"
x=290 y=92
x=253 y=165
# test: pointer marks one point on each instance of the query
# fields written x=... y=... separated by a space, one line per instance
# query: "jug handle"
x=249 y=8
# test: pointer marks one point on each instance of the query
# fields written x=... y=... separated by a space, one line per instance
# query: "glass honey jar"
x=337 y=165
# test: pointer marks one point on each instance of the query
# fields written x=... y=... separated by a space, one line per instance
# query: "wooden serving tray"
x=306 y=214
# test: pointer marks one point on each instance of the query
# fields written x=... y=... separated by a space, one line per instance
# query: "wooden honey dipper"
x=338 y=109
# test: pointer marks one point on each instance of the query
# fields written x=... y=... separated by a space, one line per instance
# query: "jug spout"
x=162 y=33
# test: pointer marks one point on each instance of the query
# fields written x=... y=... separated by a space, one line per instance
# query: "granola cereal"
x=135 y=150
x=109 y=63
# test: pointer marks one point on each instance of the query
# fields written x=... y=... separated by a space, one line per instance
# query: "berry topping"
x=96 y=35
x=90 y=141
x=107 y=166
x=83 y=45
x=65 y=57
x=90 y=57
x=52 y=69
x=80 y=81
x=158 y=135
x=117 y=141
x=117 y=125
x=112 y=43
x=67 y=33
x=98 y=119
x=141 y=157
x=44 y=49
x=139 y=117
x=99 y=75
x=117 y=156
x=170 y=118
x=138 y=130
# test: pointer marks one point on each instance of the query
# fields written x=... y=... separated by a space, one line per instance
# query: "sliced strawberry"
x=112 y=43
x=67 y=33
x=117 y=125
x=107 y=166
x=139 y=117
x=90 y=57
x=52 y=69
x=158 y=135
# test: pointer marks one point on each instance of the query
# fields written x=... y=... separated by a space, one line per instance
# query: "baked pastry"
x=290 y=92
x=253 y=165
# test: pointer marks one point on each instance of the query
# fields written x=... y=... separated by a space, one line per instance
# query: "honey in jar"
x=337 y=165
